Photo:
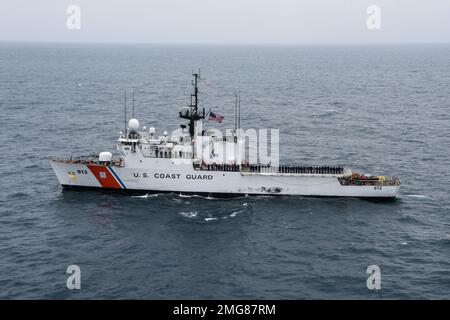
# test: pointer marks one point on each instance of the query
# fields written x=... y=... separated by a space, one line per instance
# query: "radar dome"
x=133 y=124
x=151 y=130
x=105 y=156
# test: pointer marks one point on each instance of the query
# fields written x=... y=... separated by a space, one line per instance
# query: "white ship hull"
x=183 y=178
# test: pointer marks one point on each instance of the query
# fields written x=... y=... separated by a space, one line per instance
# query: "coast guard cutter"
x=194 y=162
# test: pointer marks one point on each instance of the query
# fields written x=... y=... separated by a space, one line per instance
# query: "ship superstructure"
x=197 y=161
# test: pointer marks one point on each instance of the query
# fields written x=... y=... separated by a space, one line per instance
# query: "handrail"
x=88 y=160
x=334 y=170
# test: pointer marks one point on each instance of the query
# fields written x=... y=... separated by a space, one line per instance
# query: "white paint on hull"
x=182 y=177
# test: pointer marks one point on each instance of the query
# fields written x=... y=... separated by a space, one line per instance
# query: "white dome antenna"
x=133 y=125
x=105 y=156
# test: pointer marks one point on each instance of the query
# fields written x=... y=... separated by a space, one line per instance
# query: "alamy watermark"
x=73 y=21
x=374 y=279
x=235 y=146
x=74 y=280
x=373 y=21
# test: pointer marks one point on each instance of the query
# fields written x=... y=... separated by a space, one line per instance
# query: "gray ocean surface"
x=379 y=109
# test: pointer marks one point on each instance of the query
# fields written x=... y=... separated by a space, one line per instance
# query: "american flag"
x=216 y=117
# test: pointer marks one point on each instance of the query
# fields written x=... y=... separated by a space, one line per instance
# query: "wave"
x=216 y=215
x=191 y=214
x=184 y=196
x=410 y=218
x=195 y=196
x=326 y=113
x=234 y=214
x=148 y=195
x=419 y=196
x=19 y=195
x=181 y=195
x=31 y=166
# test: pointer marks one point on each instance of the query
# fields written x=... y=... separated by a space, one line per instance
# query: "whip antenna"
x=132 y=110
x=125 y=119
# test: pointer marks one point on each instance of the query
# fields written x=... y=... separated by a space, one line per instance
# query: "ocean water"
x=378 y=109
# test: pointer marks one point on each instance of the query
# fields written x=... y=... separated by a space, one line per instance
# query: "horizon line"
x=225 y=43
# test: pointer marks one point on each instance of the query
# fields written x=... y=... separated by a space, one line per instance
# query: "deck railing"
x=87 y=160
x=338 y=170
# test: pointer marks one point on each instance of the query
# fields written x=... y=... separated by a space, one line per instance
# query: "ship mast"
x=193 y=114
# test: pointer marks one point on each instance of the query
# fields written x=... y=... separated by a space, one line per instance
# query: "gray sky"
x=226 y=21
